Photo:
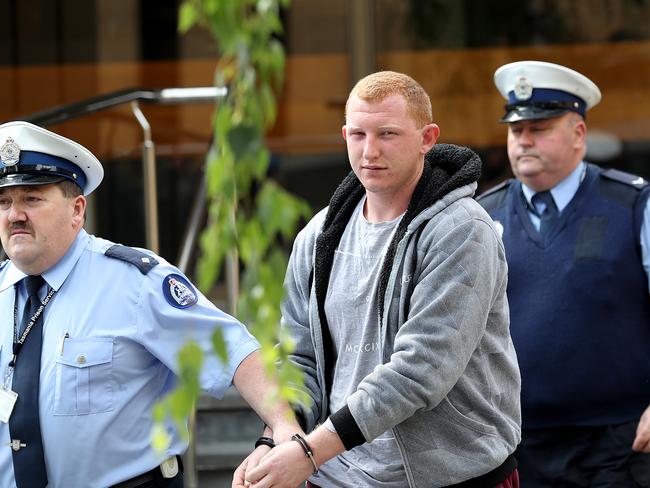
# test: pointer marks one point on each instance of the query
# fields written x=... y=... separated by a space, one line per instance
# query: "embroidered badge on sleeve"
x=178 y=291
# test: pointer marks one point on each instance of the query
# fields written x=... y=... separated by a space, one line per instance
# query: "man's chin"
x=18 y=252
x=528 y=170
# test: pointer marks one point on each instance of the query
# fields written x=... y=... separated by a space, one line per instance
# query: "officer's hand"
x=250 y=462
x=642 y=440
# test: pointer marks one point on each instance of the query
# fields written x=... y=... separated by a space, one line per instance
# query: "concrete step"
x=226 y=431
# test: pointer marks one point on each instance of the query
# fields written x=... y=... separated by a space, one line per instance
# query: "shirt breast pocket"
x=84 y=377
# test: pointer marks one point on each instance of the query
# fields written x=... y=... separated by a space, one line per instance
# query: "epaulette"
x=495 y=189
x=629 y=179
x=143 y=261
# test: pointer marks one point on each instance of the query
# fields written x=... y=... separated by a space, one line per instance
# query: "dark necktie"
x=549 y=216
x=24 y=423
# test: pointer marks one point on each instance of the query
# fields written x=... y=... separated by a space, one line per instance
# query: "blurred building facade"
x=58 y=52
x=55 y=52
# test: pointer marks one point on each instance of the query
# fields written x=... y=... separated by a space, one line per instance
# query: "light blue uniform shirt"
x=98 y=387
x=563 y=193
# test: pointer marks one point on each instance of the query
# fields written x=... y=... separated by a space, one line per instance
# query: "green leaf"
x=267 y=99
x=187 y=17
x=181 y=403
x=190 y=357
x=219 y=345
x=248 y=215
x=222 y=123
x=243 y=140
x=159 y=413
x=160 y=439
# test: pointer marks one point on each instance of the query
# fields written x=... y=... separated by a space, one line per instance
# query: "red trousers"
x=512 y=481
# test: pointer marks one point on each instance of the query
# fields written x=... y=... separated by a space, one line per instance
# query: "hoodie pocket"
x=452 y=413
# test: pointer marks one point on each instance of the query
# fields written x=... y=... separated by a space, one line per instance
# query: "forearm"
x=260 y=392
x=325 y=444
x=288 y=464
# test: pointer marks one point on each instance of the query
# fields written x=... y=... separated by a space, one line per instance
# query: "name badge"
x=7 y=401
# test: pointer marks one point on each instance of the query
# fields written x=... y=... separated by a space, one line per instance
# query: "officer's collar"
x=10 y=276
x=564 y=191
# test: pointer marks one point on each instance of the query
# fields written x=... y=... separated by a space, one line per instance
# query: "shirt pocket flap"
x=83 y=353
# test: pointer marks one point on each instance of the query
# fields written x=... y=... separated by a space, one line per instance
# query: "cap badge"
x=523 y=88
x=9 y=152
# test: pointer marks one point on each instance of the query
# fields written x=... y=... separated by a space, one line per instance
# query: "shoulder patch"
x=178 y=291
x=143 y=261
x=495 y=189
x=626 y=178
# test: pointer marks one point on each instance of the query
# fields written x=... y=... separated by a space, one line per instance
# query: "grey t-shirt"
x=353 y=317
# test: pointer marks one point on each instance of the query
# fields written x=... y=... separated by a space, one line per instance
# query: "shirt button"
x=81 y=359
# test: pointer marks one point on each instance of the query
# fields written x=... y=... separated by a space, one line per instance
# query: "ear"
x=580 y=133
x=78 y=210
x=344 y=133
x=430 y=134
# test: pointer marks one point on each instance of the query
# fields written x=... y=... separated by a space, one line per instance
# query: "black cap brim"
x=20 y=179
x=530 y=112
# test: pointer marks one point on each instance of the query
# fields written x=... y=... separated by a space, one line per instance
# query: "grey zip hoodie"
x=449 y=386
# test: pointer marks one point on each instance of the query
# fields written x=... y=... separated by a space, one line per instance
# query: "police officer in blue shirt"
x=577 y=240
x=90 y=331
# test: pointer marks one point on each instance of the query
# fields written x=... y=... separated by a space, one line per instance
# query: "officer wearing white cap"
x=577 y=240
x=45 y=157
x=90 y=332
x=539 y=90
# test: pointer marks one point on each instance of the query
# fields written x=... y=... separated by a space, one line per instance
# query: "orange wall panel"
x=466 y=104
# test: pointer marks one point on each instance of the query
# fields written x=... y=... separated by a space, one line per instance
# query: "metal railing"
x=133 y=96
x=63 y=113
